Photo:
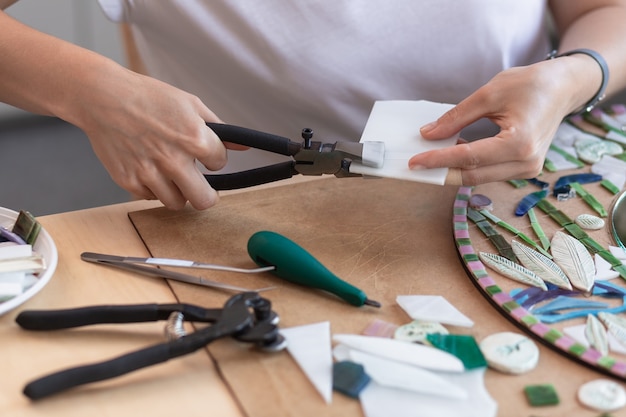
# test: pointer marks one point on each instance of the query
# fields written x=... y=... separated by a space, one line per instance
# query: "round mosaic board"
x=502 y=291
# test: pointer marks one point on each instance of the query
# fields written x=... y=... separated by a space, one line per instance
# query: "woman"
x=280 y=66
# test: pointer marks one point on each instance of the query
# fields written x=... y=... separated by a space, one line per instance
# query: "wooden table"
x=192 y=385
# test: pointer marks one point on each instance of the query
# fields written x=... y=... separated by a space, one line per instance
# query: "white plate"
x=45 y=246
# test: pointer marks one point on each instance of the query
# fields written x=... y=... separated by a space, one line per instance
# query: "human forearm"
x=528 y=103
x=43 y=74
x=147 y=134
x=596 y=25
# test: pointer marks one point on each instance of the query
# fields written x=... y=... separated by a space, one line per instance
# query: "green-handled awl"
x=295 y=264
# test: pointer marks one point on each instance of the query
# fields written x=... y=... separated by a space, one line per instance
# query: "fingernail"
x=416 y=167
x=428 y=127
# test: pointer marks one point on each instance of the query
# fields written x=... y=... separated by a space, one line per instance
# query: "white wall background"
x=77 y=21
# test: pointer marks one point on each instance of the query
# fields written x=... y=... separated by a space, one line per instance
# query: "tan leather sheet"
x=387 y=237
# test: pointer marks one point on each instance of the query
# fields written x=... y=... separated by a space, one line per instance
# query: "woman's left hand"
x=526 y=103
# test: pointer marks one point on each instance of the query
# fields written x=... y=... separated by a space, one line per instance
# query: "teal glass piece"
x=349 y=378
x=463 y=347
x=530 y=201
x=541 y=395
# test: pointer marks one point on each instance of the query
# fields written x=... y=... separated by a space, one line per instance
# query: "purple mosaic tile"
x=466 y=250
x=619 y=368
x=565 y=342
x=502 y=298
x=540 y=329
x=475 y=265
x=486 y=282
x=461 y=234
x=591 y=355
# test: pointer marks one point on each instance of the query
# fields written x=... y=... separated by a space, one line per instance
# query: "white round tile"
x=416 y=331
x=602 y=395
x=510 y=352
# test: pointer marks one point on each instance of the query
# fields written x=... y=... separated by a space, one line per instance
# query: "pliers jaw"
x=309 y=158
x=317 y=158
x=322 y=159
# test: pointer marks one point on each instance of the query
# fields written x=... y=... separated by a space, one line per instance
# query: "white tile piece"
x=310 y=346
x=559 y=162
x=9 y=290
x=616 y=178
x=398 y=375
x=566 y=134
x=397 y=123
x=605 y=275
x=618 y=252
x=11 y=250
x=604 y=272
x=578 y=333
x=617 y=137
x=608 y=164
x=411 y=353
x=380 y=401
x=341 y=353
x=434 y=308
x=612 y=169
x=601 y=263
x=607 y=118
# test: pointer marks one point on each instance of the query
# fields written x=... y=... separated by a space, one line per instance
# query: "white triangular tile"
x=310 y=347
x=433 y=308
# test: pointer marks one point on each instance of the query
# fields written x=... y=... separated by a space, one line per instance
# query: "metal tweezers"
x=118 y=262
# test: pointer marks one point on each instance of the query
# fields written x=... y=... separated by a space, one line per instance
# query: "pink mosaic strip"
x=476 y=268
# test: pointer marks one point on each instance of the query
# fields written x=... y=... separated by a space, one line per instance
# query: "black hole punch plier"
x=309 y=157
x=247 y=317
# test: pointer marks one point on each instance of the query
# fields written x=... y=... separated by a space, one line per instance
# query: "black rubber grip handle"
x=252 y=177
x=73 y=377
x=152 y=355
x=75 y=317
x=255 y=139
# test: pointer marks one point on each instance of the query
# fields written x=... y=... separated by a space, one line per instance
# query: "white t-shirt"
x=280 y=66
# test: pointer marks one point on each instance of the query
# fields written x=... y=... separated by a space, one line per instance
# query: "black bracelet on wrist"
x=605 y=76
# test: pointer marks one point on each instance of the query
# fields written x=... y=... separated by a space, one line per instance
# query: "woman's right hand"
x=148 y=135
